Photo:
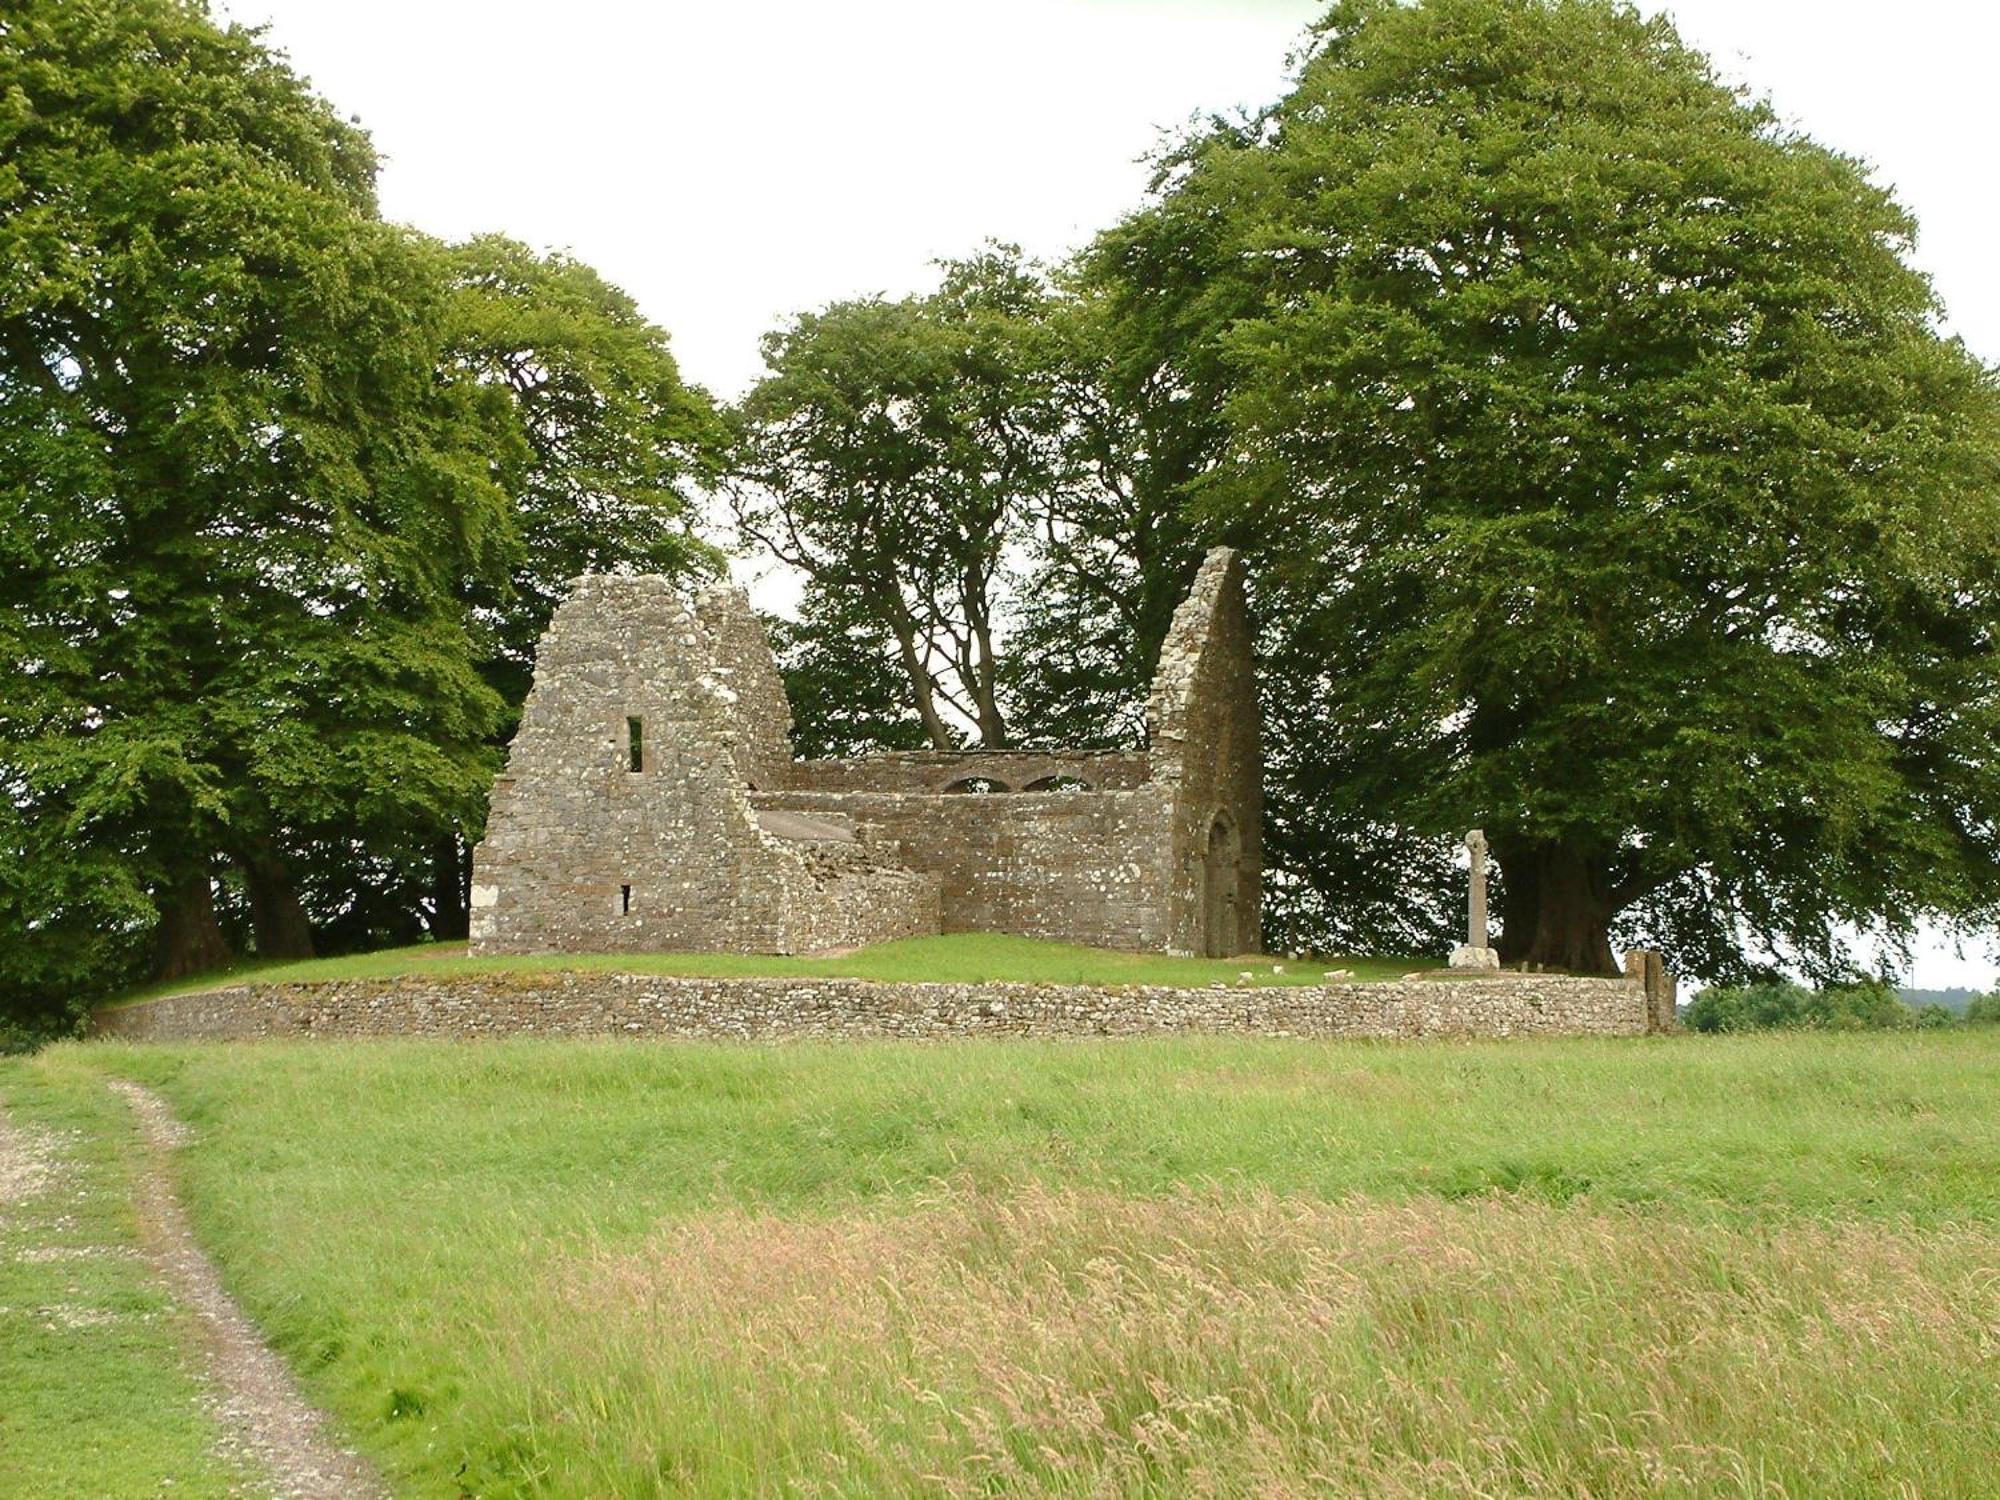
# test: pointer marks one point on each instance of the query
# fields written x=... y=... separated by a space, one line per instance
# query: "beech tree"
x=286 y=496
x=237 y=497
x=1598 y=440
x=888 y=455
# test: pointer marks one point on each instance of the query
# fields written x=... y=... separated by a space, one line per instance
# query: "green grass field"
x=97 y=1396
x=958 y=958
x=1694 y=1266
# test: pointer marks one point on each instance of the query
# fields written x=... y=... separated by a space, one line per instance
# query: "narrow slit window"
x=635 y=745
x=625 y=900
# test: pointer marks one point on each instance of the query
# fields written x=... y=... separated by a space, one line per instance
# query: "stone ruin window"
x=624 y=900
x=1058 y=784
x=635 y=744
x=977 y=785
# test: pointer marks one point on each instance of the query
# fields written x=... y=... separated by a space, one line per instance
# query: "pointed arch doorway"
x=1221 y=890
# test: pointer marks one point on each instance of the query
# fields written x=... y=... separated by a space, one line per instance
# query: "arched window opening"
x=977 y=785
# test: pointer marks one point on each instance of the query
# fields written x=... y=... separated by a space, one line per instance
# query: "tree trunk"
x=1573 y=912
x=985 y=683
x=920 y=686
x=1518 y=899
x=188 y=939
x=276 y=917
x=450 y=890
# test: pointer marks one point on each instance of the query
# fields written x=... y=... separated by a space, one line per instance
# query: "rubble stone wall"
x=584 y=853
x=1203 y=721
x=939 y=770
x=1080 y=867
x=596 y=1004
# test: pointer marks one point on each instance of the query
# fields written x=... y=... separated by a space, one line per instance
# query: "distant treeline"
x=1868 y=1005
x=1954 y=1001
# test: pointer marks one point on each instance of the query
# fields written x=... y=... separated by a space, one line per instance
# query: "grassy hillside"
x=1193 y=1266
x=960 y=958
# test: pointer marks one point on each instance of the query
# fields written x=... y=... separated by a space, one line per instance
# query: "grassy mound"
x=959 y=958
x=1187 y=1266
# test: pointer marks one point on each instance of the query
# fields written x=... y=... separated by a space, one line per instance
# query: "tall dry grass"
x=1048 y=1341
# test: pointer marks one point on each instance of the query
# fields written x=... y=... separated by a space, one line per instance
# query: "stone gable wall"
x=584 y=854
x=1202 y=720
x=597 y=1004
x=744 y=666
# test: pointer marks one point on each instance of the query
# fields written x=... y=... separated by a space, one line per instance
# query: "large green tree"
x=237 y=498
x=286 y=495
x=1601 y=450
x=612 y=445
x=889 y=455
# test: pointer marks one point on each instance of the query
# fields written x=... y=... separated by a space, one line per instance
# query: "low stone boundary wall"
x=586 y=1003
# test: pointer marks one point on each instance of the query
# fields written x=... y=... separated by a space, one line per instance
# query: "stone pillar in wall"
x=1648 y=969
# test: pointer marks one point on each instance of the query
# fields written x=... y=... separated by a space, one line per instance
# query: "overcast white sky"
x=732 y=163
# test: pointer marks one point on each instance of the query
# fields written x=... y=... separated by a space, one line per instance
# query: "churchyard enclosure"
x=1677 y=1266
x=966 y=984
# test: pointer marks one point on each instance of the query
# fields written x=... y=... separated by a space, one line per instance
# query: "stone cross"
x=1477 y=933
x=1477 y=953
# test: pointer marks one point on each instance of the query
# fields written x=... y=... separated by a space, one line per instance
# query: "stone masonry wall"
x=1202 y=720
x=597 y=1004
x=744 y=666
x=935 y=770
x=1079 y=867
x=584 y=853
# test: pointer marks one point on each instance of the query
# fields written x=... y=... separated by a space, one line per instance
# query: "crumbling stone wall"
x=718 y=839
x=586 y=853
x=743 y=665
x=597 y=1003
x=1203 y=724
x=1080 y=867
x=948 y=770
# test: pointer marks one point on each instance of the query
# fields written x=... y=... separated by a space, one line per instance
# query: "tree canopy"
x=1606 y=478
x=889 y=455
x=1599 y=444
x=282 y=487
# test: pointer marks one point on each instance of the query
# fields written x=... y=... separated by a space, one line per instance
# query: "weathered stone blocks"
x=651 y=802
x=595 y=1004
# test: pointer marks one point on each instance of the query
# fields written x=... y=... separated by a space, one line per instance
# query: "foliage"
x=1778 y=1005
x=613 y=438
x=237 y=497
x=286 y=494
x=843 y=700
x=1111 y=547
x=1983 y=1010
x=1597 y=435
x=887 y=456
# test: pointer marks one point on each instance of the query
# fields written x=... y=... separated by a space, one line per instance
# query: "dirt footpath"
x=259 y=1405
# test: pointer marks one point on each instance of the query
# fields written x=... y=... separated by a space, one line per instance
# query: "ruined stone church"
x=651 y=801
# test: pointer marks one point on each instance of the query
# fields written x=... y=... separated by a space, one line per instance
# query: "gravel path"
x=259 y=1405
